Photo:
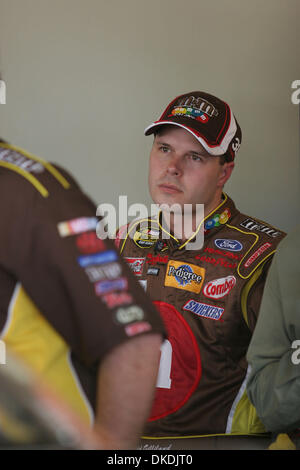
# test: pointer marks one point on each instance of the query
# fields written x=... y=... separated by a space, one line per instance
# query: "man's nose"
x=174 y=167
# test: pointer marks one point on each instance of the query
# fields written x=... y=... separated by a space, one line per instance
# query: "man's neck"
x=183 y=225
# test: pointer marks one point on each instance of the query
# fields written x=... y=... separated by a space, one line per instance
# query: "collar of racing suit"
x=210 y=224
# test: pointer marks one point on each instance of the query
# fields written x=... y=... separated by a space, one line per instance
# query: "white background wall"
x=85 y=77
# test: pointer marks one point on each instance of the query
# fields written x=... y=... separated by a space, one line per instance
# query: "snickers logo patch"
x=204 y=310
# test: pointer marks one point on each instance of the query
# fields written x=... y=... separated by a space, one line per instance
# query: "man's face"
x=182 y=172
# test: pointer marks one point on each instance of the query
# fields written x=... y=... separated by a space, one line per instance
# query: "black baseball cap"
x=208 y=118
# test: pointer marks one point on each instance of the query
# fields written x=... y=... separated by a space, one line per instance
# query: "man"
x=274 y=352
x=69 y=307
x=209 y=298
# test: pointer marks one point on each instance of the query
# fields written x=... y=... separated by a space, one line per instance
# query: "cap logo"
x=190 y=112
x=236 y=144
x=199 y=104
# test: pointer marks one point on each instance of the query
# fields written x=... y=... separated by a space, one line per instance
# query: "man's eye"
x=196 y=158
x=164 y=149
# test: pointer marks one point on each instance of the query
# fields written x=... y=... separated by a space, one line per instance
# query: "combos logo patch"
x=219 y=288
x=184 y=276
x=136 y=264
x=204 y=310
x=229 y=245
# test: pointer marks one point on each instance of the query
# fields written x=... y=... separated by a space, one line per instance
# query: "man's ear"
x=225 y=173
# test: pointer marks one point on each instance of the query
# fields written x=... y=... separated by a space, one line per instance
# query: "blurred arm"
x=126 y=387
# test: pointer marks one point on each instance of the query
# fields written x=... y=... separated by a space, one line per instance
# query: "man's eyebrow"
x=161 y=142
x=200 y=153
x=197 y=152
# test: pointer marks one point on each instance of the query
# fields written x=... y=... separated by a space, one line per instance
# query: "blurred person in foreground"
x=70 y=308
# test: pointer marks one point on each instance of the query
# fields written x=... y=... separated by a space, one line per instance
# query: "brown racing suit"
x=209 y=300
x=66 y=297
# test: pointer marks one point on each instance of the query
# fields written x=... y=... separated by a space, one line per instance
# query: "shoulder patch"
x=30 y=167
x=264 y=241
x=144 y=234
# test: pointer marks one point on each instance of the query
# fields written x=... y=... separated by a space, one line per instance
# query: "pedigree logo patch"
x=184 y=276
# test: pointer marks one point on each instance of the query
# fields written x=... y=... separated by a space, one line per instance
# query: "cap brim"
x=216 y=151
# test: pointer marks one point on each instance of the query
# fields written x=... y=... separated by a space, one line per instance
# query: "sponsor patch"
x=98 y=258
x=129 y=314
x=75 y=226
x=160 y=245
x=143 y=283
x=222 y=252
x=113 y=299
x=136 y=264
x=138 y=327
x=153 y=271
x=103 y=287
x=228 y=244
x=21 y=161
x=159 y=259
x=219 y=288
x=108 y=271
x=216 y=261
x=250 y=224
x=88 y=243
x=217 y=220
x=256 y=254
x=144 y=238
x=198 y=104
x=184 y=276
x=204 y=310
x=193 y=113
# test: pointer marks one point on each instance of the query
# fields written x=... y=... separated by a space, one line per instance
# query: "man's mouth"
x=169 y=188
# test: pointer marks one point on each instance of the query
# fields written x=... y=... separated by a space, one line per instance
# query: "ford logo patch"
x=230 y=245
